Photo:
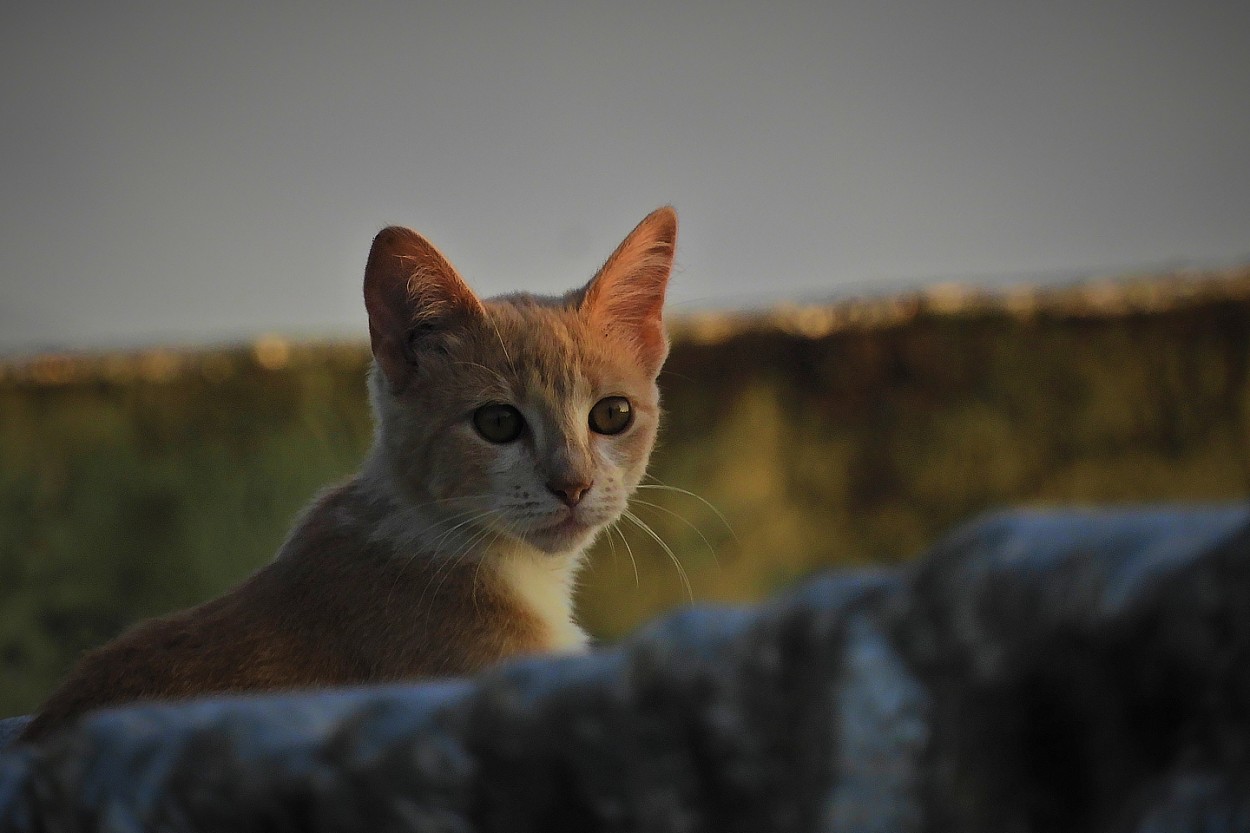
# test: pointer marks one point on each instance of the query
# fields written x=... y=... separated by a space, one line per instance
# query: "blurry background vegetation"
x=134 y=484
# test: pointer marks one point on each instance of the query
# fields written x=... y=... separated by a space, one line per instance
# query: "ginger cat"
x=509 y=432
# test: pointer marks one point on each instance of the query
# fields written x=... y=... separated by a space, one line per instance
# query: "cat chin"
x=567 y=536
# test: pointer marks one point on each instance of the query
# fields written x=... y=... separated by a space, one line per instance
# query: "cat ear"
x=626 y=297
x=409 y=286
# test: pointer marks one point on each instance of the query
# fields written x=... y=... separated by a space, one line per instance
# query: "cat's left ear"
x=409 y=287
x=626 y=297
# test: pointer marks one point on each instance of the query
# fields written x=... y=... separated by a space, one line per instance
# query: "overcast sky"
x=189 y=173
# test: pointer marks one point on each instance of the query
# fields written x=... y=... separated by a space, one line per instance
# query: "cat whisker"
x=658 y=485
x=681 y=571
x=676 y=375
x=446 y=500
x=711 y=549
x=502 y=346
x=628 y=549
x=463 y=554
x=450 y=564
x=477 y=571
x=468 y=515
x=509 y=528
x=498 y=376
x=611 y=544
x=475 y=516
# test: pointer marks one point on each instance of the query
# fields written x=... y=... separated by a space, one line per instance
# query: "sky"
x=197 y=173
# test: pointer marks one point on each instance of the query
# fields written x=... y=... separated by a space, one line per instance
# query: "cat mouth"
x=564 y=530
x=569 y=524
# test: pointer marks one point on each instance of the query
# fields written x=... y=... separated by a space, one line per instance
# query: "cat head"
x=521 y=419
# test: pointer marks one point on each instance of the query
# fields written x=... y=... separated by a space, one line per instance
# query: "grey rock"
x=10 y=728
x=1079 y=662
x=1034 y=672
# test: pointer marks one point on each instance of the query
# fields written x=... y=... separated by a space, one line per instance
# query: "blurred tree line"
x=130 y=486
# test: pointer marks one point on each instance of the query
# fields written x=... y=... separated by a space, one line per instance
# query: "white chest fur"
x=544 y=585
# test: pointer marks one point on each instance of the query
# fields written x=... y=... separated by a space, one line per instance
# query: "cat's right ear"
x=409 y=288
x=626 y=297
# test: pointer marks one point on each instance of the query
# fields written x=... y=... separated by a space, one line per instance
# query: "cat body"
x=509 y=433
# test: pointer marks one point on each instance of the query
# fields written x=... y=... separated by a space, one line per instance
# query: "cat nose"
x=570 y=493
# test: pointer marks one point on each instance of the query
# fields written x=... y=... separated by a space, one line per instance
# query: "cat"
x=509 y=433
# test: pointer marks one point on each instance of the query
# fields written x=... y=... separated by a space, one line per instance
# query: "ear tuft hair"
x=409 y=285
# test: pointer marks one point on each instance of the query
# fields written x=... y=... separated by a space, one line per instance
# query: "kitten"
x=510 y=431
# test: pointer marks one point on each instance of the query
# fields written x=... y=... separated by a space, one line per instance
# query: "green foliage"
x=126 y=496
x=124 y=500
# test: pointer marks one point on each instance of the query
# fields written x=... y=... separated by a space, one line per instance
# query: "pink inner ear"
x=637 y=318
x=626 y=298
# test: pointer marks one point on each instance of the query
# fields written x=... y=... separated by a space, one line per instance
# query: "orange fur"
x=446 y=553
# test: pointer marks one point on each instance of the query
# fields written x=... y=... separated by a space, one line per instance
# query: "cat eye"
x=498 y=423
x=611 y=415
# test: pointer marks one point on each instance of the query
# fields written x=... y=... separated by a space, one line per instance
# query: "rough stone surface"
x=1065 y=671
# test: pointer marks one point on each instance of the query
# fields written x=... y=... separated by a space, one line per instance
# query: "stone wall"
x=1035 y=671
